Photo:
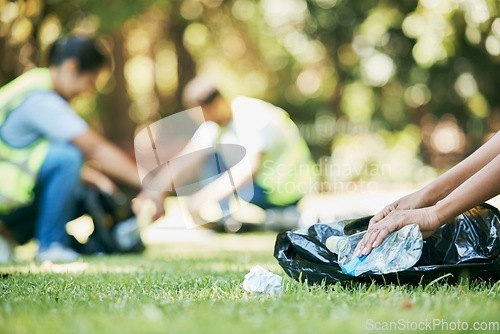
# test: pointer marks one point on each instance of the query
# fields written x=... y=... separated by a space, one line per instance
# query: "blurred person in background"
x=282 y=167
x=43 y=143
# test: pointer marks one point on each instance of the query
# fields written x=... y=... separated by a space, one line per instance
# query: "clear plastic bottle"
x=399 y=251
x=127 y=234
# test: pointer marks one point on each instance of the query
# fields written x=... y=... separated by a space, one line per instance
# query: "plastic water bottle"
x=127 y=234
x=399 y=251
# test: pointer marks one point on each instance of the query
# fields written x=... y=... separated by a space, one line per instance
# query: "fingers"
x=147 y=210
x=379 y=238
x=372 y=239
x=378 y=217
x=377 y=233
x=382 y=214
x=425 y=218
x=159 y=212
x=136 y=205
x=160 y=207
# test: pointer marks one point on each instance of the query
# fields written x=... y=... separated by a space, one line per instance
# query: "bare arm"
x=450 y=180
x=108 y=158
x=446 y=183
x=94 y=177
x=111 y=161
x=478 y=188
x=218 y=190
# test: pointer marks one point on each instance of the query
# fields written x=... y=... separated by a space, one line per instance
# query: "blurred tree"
x=404 y=62
x=410 y=72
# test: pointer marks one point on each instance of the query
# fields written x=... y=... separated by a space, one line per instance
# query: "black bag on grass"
x=107 y=212
x=467 y=249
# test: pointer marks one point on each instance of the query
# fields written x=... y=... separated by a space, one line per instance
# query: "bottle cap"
x=332 y=243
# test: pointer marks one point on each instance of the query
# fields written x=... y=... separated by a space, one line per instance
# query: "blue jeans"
x=54 y=205
x=259 y=197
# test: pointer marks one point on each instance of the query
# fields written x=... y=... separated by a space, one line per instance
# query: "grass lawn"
x=190 y=288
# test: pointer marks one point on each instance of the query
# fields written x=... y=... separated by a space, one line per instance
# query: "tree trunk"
x=113 y=111
x=186 y=67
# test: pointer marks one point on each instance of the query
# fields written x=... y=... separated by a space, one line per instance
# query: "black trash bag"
x=467 y=249
x=106 y=211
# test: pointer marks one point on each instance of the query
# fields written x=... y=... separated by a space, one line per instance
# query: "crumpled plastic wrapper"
x=261 y=281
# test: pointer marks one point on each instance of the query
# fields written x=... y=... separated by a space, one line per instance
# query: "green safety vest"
x=19 y=167
x=288 y=171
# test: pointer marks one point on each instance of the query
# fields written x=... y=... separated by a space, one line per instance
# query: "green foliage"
x=430 y=45
x=115 y=13
x=379 y=65
x=168 y=291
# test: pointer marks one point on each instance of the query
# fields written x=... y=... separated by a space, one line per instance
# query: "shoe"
x=5 y=251
x=57 y=253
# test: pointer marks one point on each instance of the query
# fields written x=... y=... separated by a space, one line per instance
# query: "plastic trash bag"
x=111 y=219
x=467 y=249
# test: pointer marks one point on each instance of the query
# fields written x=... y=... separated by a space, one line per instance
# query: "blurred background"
x=386 y=92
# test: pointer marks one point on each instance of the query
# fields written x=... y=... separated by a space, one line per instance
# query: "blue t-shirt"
x=42 y=114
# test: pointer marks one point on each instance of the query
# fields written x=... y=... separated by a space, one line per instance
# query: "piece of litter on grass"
x=261 y=281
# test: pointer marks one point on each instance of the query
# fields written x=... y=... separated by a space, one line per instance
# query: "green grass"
x=183 y=290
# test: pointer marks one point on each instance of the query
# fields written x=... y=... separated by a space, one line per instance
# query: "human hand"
x=415 y=200
x=427 y=219
x=139 y=204
x=194 y=207
x=93 y=177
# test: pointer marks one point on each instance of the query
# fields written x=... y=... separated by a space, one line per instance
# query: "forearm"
x=479 y=188
x=93 y=177
x=222 y=187
x=453 y=178
x=116 y=164
x=178 y=173
x=240 y=175
x=108 y=158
